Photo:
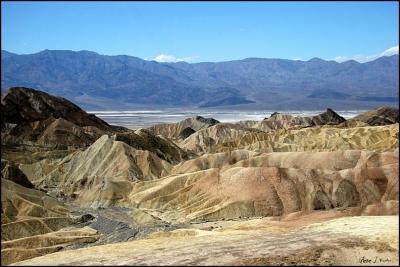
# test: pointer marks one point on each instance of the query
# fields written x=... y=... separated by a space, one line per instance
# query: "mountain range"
x=97 y=81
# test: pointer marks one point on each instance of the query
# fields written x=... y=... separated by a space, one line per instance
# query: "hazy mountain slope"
x=258 y=76
x=124 y=79
x=88 y=77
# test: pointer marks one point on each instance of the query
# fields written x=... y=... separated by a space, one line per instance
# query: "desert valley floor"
x=285 y=190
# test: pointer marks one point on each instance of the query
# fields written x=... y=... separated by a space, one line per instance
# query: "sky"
x=205 y=31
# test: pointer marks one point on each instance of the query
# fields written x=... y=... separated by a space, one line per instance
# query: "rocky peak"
x=328 y=117
x=274 y=114
x=209 y=121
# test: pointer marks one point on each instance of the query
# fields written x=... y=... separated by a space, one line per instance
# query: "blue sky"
x=204 y=31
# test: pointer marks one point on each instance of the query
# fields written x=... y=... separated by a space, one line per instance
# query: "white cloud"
x=391 y=51
x=168 y=58
x=360 y=58
x=297 y=58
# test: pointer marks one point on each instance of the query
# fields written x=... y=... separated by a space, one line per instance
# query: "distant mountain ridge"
x=98 y=81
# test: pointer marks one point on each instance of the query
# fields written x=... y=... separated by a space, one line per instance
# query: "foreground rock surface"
x=343 y=241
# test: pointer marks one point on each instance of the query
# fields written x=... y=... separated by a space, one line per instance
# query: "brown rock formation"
x=284 y=121
x=379 y=116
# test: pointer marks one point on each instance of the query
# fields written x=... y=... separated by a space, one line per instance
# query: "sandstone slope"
x=208 y=139
x=32 y=224
x=145 y=140
x=275 y=184
x=102 y=174
x=227 y=185
x=218 y=139
x=184 y=128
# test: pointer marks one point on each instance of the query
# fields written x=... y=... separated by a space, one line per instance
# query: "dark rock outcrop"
x=11 y=171
x=209 y=121
x=31 y=117
x=185 y=133
x=24 y=105
x=145 y=140
x=52 y=132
